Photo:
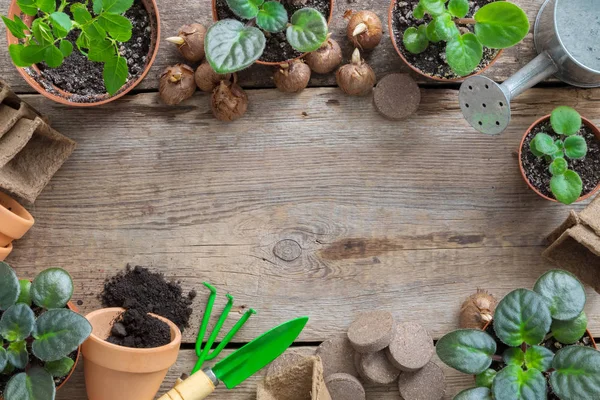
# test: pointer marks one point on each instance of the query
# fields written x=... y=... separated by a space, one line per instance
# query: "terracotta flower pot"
x=5 y=251
x=545 y=118
x=117 y=372
x=274 y=64
x=417 y=70
x=64 y=96
x=15 y=220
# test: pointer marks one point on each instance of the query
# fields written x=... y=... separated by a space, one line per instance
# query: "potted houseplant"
x=41 y=333
x=274 y=32
x=559 y=154
x=83 y=53
x=537 y=348
x=448 y=41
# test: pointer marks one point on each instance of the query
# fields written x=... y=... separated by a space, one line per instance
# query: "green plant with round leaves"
x=523 y=320
x=496 y=25
x=34 y=350
x=231 y=45
x=565 y=184
x=99 y=35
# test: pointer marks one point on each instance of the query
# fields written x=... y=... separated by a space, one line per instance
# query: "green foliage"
x=272 y=17
x=563 y=293
x=576 y=373
x=514 y=356
x=538 y=357
x=569 y=332
x=58 y=332
x=514 y=383
x=35 y=384
x=25 y=292
x=246 y=9
x=497 y=25
x=485 y=378
x=17 y=323
x=467 y=350
x=479 y=393
x=52 y=288
x=232 y=46
x=308 y=30
x=9 y=286
x=565 y=120
x=45 y=41
x=60 y=368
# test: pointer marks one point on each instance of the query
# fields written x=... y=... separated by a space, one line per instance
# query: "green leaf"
x=445 y=28
x=501 y=24
x=16 y=55
x=430 y=32
x=15 y=27
x=94 y=32
x=66 y=48
x=485 y=378
x=61 y=19
x=479 y=393
x=231 y=46
x=82 y=42
x=53 y=287
x=58 y=332
x=42 y=32
x=559 y=166
x=566 y=188
x=272 y=17
x=60 y=368
x=308 y=30
x=458 y=8
x=246 y=9
x=419 y=11
x=569 y=332
x=29 y=7
x=575 y=147
x=434 y=7
x=544 y=144
x=35 y=384
x=514 y=356
x=577 y=373
x=464 y=54
x=17 y=323
x=563 y=293
x=467 y=350
x=534 y=149
x=565 y=120
x=116 y=6
x=34 y=54
x=97 y=6
x=3 y=359
x=102 y=51
x=24 y=293
x=538 y=357
x=9 y=285
x=80 y=14
x=415 y=40
x=17 y=354
x=522 y=316
x=115 y=74
x=47 y=6
x=512 y=383
x=117 y=26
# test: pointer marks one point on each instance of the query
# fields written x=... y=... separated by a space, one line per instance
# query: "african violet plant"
x=523 y=321
x=50 y=337
x=231 y=45
x=497 y=25
x=99 y=37
x=565 y=184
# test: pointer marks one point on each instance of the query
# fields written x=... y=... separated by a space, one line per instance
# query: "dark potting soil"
x=148 y=292
x=277 y=48
x=139 y=330
x=433 y=60
x=536 y=169
x=83 y=77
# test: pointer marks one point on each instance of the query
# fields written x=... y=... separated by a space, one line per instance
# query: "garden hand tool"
x=240 y=365
x=567 y=38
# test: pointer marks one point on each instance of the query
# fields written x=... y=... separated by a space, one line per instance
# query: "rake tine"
x=230 y=335
x=215 y=333
x=206 y=317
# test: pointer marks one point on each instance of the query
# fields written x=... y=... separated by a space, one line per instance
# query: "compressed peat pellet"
x=337 y=355
x=376 y=368
x=397 y=96
x=411 y=347
x=425 y=384
x=344 y=387
x=284 y=361
x=371 y=331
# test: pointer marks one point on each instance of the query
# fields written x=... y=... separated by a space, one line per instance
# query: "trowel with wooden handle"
x=240 y=365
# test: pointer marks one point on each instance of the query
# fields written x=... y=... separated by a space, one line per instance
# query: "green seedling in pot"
x=37 y=332
x=100 y=33
x=497 y=25
x=523 y=321
x=231 y=45
x=565 y=184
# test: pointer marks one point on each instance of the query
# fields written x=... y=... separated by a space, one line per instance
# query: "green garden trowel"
x=240 y=365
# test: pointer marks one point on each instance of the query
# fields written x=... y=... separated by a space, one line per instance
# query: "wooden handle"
x=196 y=387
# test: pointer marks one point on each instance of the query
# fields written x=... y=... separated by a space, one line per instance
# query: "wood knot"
x=287 y=250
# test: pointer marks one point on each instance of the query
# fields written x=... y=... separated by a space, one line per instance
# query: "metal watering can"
x=567 y=38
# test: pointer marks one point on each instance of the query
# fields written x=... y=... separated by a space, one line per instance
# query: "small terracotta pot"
x=117 y=372
x=63 y=97
x=545 y=118
x=435 y=78
x=15 y=220
x=274 y=64
x=5 y=251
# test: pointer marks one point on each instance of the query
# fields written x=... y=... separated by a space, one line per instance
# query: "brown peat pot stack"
x=300 y=381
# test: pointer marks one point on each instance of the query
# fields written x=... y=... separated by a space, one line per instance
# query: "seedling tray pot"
x=301 y=381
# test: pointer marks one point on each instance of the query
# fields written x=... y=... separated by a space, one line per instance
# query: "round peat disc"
x=376 y=368
x=425 y=384
x=397 y=96
x=284 y=361
x=344 y=387
x=337 y=355
x=371 y=331
x=411 y=347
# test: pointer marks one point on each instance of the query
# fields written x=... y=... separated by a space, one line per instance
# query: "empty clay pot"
x=117 y=372
x=4 y=252
x=15 y=221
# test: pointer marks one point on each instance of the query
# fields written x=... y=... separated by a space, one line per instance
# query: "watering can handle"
x=197 y=387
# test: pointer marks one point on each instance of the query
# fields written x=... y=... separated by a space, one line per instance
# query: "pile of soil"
x=139 y=330
x=433 y=60
x=536 y=169
x=148 y=292
x=277 y=48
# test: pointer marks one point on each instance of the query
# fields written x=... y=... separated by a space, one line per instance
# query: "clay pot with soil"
x=80 y=56
x=559 y=156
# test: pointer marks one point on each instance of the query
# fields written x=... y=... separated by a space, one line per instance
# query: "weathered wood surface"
x=383 y=59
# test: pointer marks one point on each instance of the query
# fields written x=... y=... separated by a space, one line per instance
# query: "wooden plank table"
x=409 y=217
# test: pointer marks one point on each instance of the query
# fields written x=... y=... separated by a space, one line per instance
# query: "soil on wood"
x=139 y=330
x=536 y=169
x=277 y=48
x=148 y=292
x=82 y=77
x=432 y=61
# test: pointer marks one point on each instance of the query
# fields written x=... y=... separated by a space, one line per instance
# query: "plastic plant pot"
x=15 y=220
